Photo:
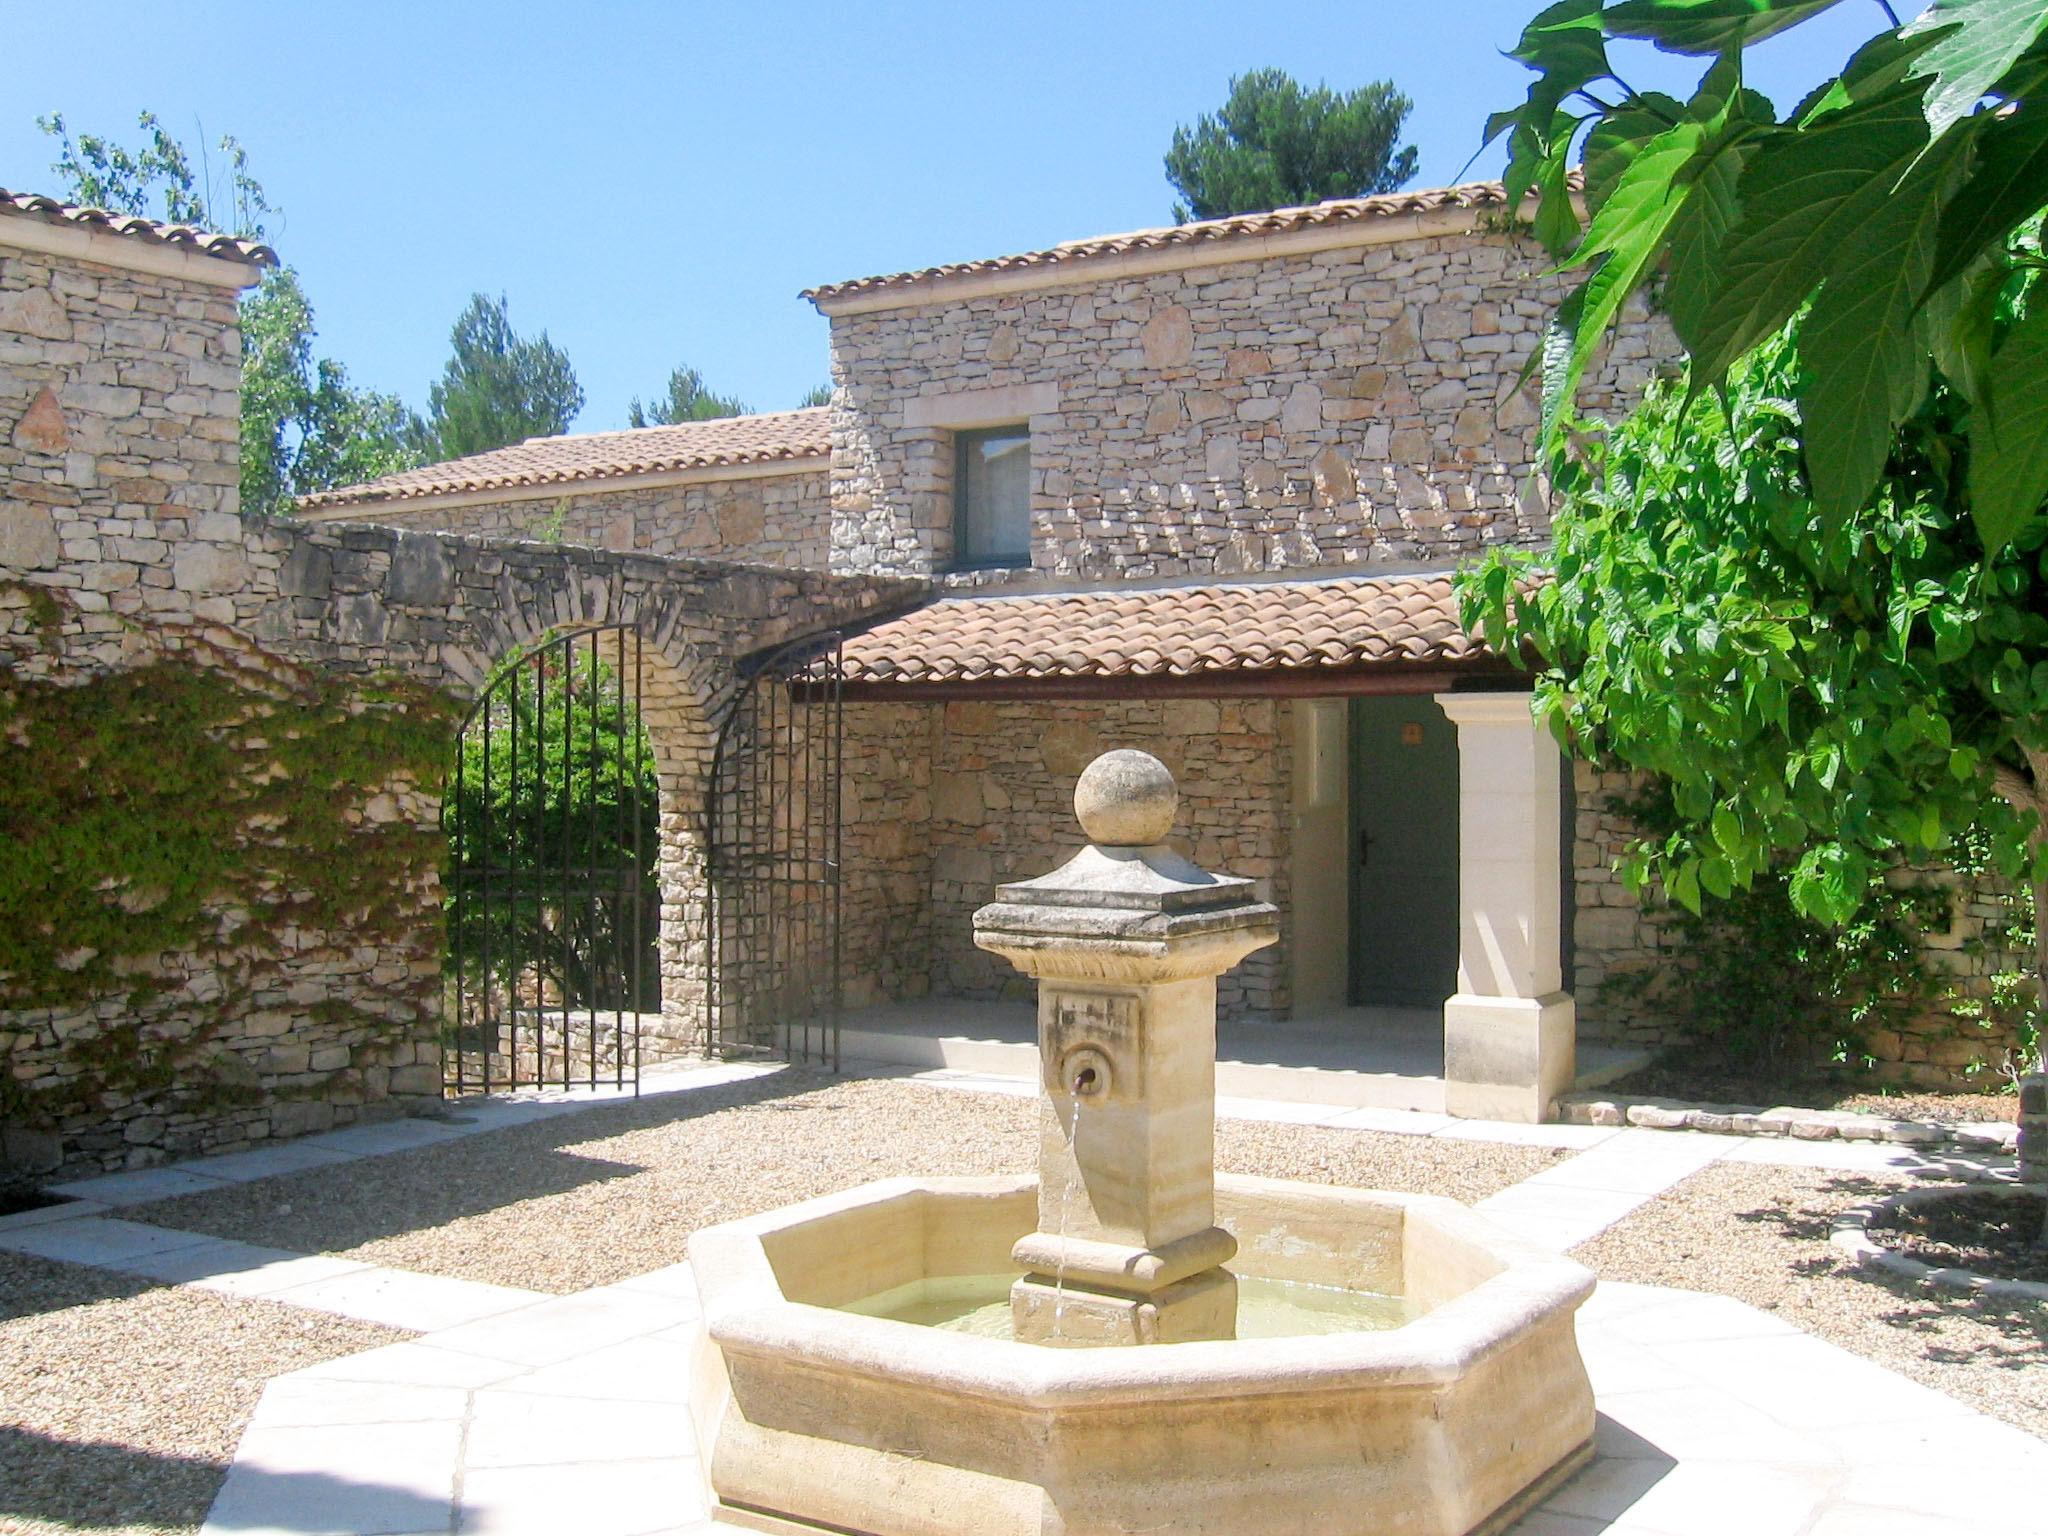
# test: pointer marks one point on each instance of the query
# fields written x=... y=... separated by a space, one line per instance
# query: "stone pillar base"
x=1203 y=1306
x=1508 y=1058
x=2033 y=1125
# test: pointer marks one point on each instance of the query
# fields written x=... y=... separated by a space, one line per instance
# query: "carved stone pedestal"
x=1126 y=941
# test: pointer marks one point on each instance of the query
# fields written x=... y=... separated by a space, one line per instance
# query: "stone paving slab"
x=1577 y=1199
x=394 y=1297
x=200 y=1175
x=102 y=1242
x=138 y=1186
x=1715 y=1417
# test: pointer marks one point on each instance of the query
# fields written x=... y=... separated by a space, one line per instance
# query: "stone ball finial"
x=1126 y=799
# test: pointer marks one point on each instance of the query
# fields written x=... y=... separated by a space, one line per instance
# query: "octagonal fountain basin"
x=1402 y=1366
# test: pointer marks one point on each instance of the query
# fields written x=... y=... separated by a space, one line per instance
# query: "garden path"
x=517 y=1412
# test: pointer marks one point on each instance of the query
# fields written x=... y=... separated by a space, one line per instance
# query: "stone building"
x=224 y=739
x=1195 y=490
x=1198 y=490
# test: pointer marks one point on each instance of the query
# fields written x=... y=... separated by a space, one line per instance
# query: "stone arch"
x=678 y=698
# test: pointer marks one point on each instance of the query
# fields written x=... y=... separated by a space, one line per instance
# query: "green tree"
x=687 y=400
x=817 y=394
x=1830 y=624
x=498 y=387
x=304 y=427
x=581 y=795
x=1275 y=145
x=1882 y=206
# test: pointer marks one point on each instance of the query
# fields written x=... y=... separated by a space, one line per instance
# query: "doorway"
x=1403 y=852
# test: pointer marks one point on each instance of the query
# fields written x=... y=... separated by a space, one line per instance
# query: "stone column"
x=1509 y=1032
x=1126 y=941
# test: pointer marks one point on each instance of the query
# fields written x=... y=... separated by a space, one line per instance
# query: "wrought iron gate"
x=553 y=906
x=773 y=823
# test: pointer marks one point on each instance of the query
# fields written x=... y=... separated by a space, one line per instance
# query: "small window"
x=992 y=498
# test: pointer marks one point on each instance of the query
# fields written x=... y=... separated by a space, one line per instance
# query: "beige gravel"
x=1760 y=1235
x=121 y=1402
x=599 y=1196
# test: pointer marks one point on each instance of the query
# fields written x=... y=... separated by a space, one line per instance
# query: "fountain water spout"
x=1126 y=941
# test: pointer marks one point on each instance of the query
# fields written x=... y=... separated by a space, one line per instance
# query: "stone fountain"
x=1128 y=1342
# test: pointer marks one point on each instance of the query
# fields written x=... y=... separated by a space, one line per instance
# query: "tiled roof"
x=1389 y=205
x=182 y=237
x=1346 y=623
x=771 y=438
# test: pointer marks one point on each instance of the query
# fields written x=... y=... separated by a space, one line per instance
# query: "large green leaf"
x=1619 y=136
x=1866 y=358
x=1960 y=315
x=1697 y=235
x=2009 y=444
x=2007 y=182
x=1806 y=197
x=1976 y=42
x=1564 y=45
x=1628 y=233
x=1707 y=26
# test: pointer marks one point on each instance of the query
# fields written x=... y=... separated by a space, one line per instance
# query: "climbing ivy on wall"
x=207 y=805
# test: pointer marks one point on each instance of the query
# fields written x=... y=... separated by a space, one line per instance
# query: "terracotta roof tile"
x=1389 y=205
x=771 y=438
x=149 y=231
x=1169 y=632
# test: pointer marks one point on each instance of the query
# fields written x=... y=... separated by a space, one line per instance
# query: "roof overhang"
x=1379 y=680
x=24 y=232
x=1081 y=270
x=367 y=509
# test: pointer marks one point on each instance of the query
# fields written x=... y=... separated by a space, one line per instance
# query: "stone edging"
x=1798 y=1124
x=1852 y=1237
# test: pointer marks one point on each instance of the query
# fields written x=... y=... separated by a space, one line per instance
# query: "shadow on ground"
x=90 y=1485
x=482 y=1177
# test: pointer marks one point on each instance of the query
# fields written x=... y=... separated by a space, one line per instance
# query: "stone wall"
x=362 y=605
x=1339 y=407
x=130 y=584
x=782 y=519
x=957 y=798
x=119 y=409
x=1959 y=1035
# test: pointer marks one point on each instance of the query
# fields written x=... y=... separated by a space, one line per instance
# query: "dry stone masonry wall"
x=782 y=519
x=985 y=795
x=1339 y=407
x=335 y=655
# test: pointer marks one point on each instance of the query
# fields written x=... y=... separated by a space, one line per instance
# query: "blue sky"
x=653 y=184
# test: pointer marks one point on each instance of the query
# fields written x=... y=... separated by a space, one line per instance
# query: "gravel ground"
x=1988 y=1234
x=599 y=1196
x=1760 y=1236
x=121 y=1402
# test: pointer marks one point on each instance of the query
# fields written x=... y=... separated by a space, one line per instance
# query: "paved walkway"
x=518 y=1413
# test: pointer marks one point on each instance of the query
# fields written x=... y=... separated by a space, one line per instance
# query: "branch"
x=1890 y=15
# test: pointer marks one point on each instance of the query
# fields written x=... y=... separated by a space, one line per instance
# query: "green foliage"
x=1846 y=691
x=1884 y=207
x=101 y=173
x=184 y=807
x=687 y=400
x=579 y=795
x=497 y=388
x=304 y=426
x=817 y=394
x=1274 y=145
x=1773 y=989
